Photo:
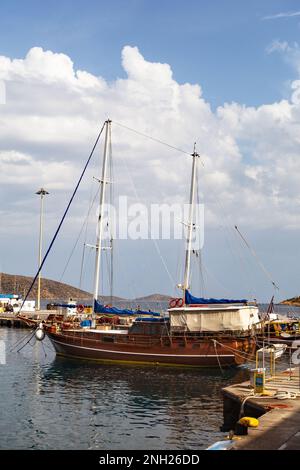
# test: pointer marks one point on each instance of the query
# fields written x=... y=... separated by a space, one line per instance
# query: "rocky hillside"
x=14 y=284
x=154 y=298
x=54 y=290
x=294 y=301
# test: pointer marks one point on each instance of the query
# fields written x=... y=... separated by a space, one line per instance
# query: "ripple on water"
x=54 y=403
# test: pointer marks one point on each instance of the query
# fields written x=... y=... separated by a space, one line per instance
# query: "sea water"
x=55 y=403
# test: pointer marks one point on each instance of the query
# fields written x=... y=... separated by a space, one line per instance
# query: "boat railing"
x=190 y=334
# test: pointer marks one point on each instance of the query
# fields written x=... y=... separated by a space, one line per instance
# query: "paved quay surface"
x=279 y=427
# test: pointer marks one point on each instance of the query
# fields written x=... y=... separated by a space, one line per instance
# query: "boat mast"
x=190 y=224
x=100 y=219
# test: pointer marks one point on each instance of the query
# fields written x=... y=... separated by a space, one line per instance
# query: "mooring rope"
x=17 y=343
x=236 y=351
x=215 y=346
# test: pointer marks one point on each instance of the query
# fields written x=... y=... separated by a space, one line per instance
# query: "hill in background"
x=294 y=301
x=54 y=290
x=15 y=284
x=154 y=298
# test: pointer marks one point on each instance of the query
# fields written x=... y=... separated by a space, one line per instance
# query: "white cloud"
x=287 y=14
x=53 y=113
x=22 y=169
x=278 y=46
x=290 y=53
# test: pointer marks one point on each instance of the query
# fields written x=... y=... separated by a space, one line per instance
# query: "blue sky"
x=237 y=52
x=220 y=44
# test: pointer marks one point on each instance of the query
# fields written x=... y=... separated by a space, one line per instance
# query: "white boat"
x=275 y=350
x=12 y=303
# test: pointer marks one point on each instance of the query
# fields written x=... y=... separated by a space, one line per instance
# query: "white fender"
x=39 y=334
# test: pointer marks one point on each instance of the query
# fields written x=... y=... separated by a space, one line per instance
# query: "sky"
x=223 y=74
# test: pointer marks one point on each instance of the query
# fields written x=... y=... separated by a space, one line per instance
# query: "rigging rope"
x=154 y=241
x=152 y=138
x=257 y=258
x=199 y=253
x=263 y=267
x=245 y=265
x=108 y=248
x=85 y=260
x=169 y=146
x=63 y=218
x=85 y=240
x=111 y=194
x=85 y=223
x=82 y=265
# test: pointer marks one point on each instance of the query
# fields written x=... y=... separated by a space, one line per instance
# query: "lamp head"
x=42 y=192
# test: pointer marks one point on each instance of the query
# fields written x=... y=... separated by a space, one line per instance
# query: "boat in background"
x=274 y=351
x=284 y=331
x=11 y=303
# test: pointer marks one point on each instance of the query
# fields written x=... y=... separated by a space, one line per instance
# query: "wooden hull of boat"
x=205 y=354
x=28 y=322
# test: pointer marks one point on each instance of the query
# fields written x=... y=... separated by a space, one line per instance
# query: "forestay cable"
x=63 y=217
x=257 y=258
x=79 y=235
x=152 y=138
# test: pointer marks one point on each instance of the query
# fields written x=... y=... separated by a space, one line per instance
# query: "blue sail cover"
x=99 y=308
x=65 y=305
x=190 y=300
x=152 y=320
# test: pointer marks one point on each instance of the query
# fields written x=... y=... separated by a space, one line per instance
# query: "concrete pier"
x=279 y=419
x=11 y=320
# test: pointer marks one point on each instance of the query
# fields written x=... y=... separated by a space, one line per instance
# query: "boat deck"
x=98 y=331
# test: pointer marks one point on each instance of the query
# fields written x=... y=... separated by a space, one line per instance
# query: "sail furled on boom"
x=190 y=300
x=99 y=308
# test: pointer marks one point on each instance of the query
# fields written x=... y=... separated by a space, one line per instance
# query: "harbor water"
x=56 y=403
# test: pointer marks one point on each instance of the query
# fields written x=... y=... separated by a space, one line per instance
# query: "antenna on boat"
x=103 y=182
x=190 y=224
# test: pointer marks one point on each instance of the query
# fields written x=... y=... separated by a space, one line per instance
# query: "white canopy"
x=239 y=319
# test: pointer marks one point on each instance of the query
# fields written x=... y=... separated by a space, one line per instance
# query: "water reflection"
x=64 y=404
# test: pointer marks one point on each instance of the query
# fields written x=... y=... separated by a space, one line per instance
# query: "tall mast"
x=100 y=218
x=190 y=224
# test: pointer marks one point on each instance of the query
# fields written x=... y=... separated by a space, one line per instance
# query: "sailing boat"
x=197 y=332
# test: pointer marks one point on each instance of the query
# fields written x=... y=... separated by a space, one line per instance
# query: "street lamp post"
x=42 y=193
